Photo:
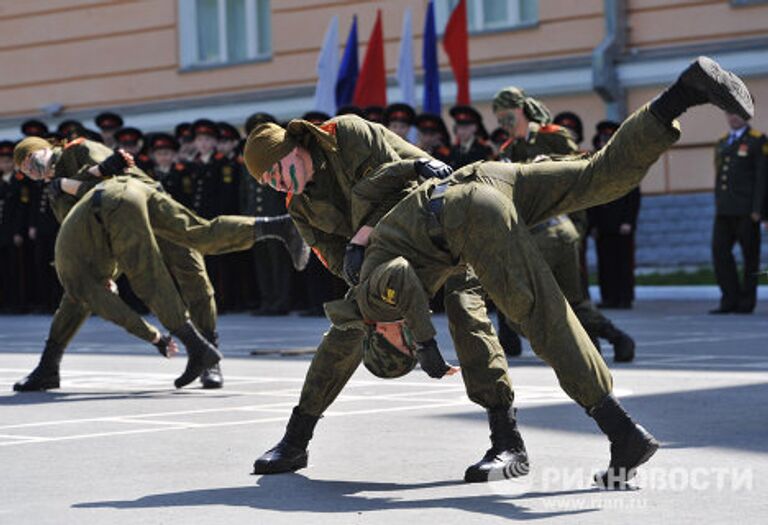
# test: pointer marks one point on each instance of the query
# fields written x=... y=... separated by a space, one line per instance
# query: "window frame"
x=189 y=56
x=475 y=12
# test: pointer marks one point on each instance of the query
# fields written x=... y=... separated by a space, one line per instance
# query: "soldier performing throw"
x=481 y=216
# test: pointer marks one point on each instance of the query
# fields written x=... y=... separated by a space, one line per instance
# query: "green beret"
x=266 y=145
x=27 y=146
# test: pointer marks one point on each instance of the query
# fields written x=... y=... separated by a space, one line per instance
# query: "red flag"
x=456 y=45
x=371 y=88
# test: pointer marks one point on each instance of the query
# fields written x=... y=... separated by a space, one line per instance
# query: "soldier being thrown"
x=112 y=228
x=481 y=216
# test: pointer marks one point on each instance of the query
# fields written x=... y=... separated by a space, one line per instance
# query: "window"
x=215 y=32
x=489 y=15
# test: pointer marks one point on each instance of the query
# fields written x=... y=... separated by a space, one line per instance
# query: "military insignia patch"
x=389 y=296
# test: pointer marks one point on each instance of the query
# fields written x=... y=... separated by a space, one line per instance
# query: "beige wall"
x=96 y=54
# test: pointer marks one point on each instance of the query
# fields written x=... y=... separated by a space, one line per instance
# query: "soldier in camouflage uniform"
x=481 y=216
x=344 y=152
x=558 y=239
x=80 y=166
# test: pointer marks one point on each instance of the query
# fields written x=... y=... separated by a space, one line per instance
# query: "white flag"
x=327 y=69
x=405 y=74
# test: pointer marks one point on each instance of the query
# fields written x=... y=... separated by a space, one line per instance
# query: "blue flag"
x=348 y=70
x=431 y=70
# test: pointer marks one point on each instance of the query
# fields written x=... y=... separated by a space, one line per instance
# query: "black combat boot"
x=702 y=82
x=507 y=457
x=283 y=229
x=45 y=376
x=631 y=444
x=211 y=378
x=290 y=454
x=201 y=354
x=623 y=344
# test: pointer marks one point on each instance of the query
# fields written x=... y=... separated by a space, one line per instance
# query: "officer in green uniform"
x=481 y=216
x=344 y=152
x=532 y=134
x=86 y=163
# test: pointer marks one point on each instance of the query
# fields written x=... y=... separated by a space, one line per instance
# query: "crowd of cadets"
x=200 y=166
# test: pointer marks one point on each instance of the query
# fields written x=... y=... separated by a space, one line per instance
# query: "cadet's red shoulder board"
x=75 y=142
x=550 y=128
x=329 y=127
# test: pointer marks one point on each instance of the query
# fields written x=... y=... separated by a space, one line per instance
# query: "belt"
x=554 y=221
x=435 y=226
x=96 y=205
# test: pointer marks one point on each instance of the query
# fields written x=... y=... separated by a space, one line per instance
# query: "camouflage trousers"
x=559 y=246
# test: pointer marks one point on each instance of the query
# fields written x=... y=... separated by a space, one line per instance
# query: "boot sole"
x=724 y=89
x=517 y=470
x=600 y=477
x=39 y=388
x=269 y=468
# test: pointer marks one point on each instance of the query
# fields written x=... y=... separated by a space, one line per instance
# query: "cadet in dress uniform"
x=468 y=130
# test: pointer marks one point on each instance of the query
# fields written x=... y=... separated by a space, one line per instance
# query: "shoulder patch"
x=329 y=127
x=75 y=142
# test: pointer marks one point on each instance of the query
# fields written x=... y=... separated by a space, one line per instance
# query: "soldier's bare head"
x=32 y=156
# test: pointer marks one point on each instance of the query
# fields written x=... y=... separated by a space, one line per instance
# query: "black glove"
x=431 y=360
x=353 y=261
x=162 y=345
x=429 y=168
x=54 y=188
x=113 y=165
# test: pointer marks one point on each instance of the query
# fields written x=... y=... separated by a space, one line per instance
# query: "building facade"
x=160 y=62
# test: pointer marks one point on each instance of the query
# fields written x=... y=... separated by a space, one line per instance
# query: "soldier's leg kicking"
x=226 y=233
x=548 y=189
x=337 y=358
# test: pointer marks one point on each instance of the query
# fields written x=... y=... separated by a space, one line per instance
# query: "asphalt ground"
x=118 y=444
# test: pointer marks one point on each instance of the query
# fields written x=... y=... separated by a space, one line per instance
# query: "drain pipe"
x=605 y=78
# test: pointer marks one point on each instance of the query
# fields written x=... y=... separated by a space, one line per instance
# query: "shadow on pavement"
x=297 y=493
x=732 y=417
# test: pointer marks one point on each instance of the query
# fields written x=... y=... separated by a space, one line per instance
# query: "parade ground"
x=118 y=444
